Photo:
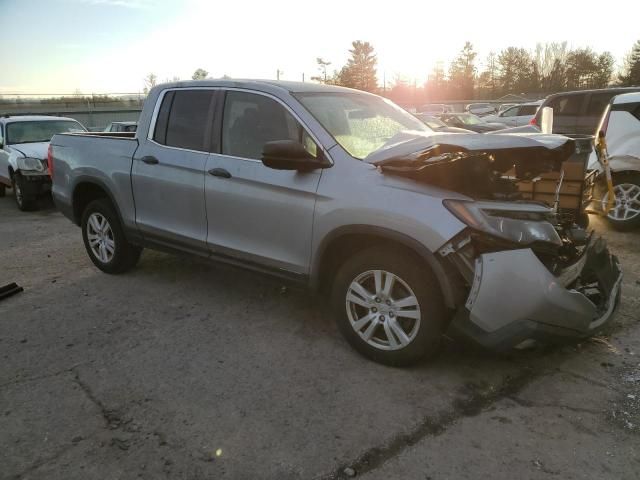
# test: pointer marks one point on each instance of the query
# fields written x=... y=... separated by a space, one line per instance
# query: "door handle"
x=150 y=160
x=219 y=172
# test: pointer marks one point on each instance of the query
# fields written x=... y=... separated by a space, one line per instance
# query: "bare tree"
x=322 y=67
x=150 y=81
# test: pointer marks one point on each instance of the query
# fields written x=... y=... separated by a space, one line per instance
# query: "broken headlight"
x=519 y=223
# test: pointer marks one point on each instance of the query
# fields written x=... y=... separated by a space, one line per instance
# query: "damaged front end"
x=547 y=283
x=528 y=272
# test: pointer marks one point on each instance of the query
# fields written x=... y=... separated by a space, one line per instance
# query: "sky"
x=109 y=46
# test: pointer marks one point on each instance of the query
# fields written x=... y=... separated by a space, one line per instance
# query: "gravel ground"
x=186 y=370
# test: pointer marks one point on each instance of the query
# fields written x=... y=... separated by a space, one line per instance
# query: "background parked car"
x=505 y=106
x=621 y=125
x=579 y=112
x=119 y=127
x=436 y=108
x=481 y=109
x=437 y=125
x=470 y=121
x=516 y=116
x=24 y=141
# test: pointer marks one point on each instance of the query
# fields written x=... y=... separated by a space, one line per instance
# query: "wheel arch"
x=338 y=245
x=85 y=191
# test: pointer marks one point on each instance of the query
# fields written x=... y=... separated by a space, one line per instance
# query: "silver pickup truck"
x=409 y=233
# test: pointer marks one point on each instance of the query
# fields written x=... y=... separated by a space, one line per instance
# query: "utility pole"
x=302 y=77
x=278 y=72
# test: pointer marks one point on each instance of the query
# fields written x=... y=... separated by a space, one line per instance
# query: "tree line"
x=551 y=67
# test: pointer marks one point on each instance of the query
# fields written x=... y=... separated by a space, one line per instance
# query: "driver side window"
x=250 y=120
x=511 y=112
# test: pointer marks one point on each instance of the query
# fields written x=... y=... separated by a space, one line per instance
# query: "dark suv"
x=579 y=112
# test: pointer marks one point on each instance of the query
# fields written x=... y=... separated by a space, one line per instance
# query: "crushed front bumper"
x=515 y=299
x=35 y=183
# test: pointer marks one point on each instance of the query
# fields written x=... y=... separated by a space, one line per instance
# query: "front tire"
x=625 y=214
x=104 y=239
x=25 y=203
x=388 y=306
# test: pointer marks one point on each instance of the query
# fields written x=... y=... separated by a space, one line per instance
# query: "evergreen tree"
x=631 y=72
x=462 y=73
x=360 y=71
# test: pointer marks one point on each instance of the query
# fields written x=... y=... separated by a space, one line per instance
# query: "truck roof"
x=626 y=98
x=266 y=85
x=620 y=90
x=32 y=118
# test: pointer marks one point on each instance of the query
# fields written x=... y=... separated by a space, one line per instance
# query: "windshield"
x=470 y=119
x=39 y=130
x=360 y=123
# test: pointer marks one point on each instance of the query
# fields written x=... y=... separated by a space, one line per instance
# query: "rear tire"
x=388 y=306
x=104 y=239
x=25 y=203
x=625 y=215
x=2 y=191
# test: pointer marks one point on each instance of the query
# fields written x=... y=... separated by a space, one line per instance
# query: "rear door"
x=257 y=214
x=169 y=168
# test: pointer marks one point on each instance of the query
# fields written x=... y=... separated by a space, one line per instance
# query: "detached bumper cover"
x=515 y=298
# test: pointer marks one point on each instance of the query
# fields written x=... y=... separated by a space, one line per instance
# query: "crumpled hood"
x=407 y=145
x=32 y=150
x=473 y=165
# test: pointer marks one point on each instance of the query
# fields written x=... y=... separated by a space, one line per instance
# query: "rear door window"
x=184 y=119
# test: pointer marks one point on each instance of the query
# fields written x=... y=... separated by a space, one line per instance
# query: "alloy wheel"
x=383 y=310
x=627 y=202
x=100 y=237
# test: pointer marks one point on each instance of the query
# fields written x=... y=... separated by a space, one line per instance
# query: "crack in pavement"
x=470 y=406
x=111 y=418
x=19 y=381
x=528 y=403
x=590 y=380
x=42 y=462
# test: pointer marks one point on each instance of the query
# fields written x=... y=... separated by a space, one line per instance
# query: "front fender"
x=444 y=280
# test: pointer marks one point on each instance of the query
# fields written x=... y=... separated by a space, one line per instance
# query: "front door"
x=257 y=214
x=168 y=171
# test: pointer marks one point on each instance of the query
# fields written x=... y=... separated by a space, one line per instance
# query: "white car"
x=24 y=141
x=481 y=109
x=517 y=115
x=621 y=126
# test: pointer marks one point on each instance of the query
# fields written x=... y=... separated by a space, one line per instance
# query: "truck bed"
x=99 y=158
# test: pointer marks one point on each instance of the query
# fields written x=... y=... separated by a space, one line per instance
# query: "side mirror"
x=291 y=155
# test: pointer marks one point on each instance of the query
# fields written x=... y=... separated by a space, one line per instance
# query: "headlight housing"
x=519 y=223
x=32 y=164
